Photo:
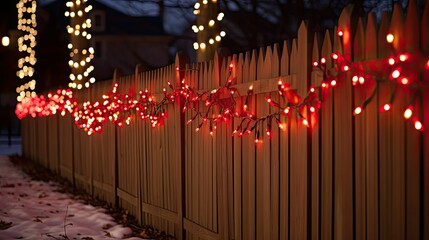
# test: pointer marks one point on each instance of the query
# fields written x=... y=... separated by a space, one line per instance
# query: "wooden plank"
x=159 y=212
x=126 y=196
x=263 y=161
x=200 y=231
x=360 y=134
x=398 y=138
x=238 y=183
x=275 y=152
x=315 y=152
x=284 y=159
x=327 y=157
x=384 y=124
x=299 y=143
x=425 y=107
x=371 y=139
x=413 y=165
x=343 y=174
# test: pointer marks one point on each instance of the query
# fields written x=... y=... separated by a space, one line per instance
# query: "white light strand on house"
x=210 y=24
x=26 y=44
x=80 y=57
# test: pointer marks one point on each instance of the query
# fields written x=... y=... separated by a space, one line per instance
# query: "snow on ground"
x=37 y=211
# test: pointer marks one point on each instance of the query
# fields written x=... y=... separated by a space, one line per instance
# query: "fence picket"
x=284 y=157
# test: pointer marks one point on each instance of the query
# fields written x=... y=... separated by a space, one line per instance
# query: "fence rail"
x=345 y=177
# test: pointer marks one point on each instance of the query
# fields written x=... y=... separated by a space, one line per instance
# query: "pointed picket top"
x=260 y=72
x=370 y=35
x=338 y=45
x=217 y=67
x=268 y=59
x=327 y=49
x=252 y=66
x=246 y=66
x=239 y=68
x=315 y=53
x=275 y=63
x=139 y=69
x=411 y=27
x=180 y=63
x=344 y=25
x=302 y=37
x=284 y=62
x=424 y=28
x=203 y=83
x=294 y=63
x=359 y=42
x=383 y=30
x=233 y=63
x=294 y=57
x=210 y=75
x=317 y=75
x=396 y=28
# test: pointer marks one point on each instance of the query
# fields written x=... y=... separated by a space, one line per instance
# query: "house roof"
x=117 y=23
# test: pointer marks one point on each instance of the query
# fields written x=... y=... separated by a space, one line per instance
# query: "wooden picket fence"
x=345 y=177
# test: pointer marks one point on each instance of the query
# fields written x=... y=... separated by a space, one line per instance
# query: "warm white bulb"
x=5 y=41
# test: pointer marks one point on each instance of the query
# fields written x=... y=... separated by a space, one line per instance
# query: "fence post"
x=139 y=69
x=116 y=74
x=181 y=61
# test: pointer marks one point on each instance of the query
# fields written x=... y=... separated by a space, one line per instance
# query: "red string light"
x=119 y=108
x=400 y=67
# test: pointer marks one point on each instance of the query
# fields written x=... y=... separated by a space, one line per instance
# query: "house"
x=123 y=41
x=120 y=40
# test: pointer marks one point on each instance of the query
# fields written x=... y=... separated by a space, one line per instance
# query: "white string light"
x=26 y=44
x=210 y=24
x=80 y=58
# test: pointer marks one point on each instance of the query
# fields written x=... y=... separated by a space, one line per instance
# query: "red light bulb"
x=357 y=111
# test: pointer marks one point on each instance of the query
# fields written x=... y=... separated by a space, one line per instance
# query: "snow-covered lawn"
x=36 y=210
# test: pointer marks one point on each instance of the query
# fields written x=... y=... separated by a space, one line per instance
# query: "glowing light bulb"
x=357 y=111
x=305 y=122
x=405 y=81
x=418 y=125
x=390 y=38
x=386 y=107
x=403 y=57
x=5 y=41
x=396 y=73
x=408 y=113
x=391 y=61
